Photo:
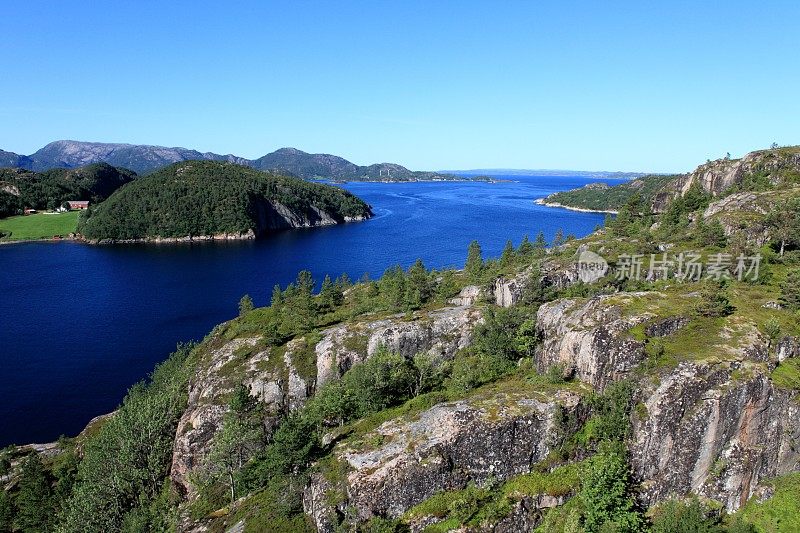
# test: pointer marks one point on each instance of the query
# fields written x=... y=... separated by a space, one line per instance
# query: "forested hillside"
x=48 y=190
x=208 y=198
x=601 y=197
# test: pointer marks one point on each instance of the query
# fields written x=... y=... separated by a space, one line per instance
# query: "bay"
x=80 y=324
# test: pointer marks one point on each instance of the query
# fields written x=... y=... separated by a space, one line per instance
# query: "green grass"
x=38 y=226
x=787 y=374
x=781 y=512
x=481 y=506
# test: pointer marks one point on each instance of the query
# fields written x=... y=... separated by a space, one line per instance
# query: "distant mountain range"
x=144 y=159
x=606 y=174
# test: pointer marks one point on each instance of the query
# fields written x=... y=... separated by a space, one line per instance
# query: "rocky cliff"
x=496 y=434
x=713 y=425
x=776 y=167
x=282 y=379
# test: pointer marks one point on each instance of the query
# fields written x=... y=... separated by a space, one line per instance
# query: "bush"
x=606 y=495
x=680 y=517
x=714 y=301
x=790 y=290
x=611 y=412
x=474 y=370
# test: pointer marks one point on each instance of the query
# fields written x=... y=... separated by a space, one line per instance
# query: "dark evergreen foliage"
x=209 y=198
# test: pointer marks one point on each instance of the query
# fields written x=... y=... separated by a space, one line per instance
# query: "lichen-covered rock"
x=589 y=339
x=787 y=347
x=715 y=429
x=439 y=333
x=240 y=361
x=508 y=292
x=717 y=177
x=666 y=326
x=443 y=448
x=469 y=295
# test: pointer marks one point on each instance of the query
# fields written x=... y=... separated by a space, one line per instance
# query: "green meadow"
x=38 y=226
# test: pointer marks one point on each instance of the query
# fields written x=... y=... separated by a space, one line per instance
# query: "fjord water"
x=80 y=324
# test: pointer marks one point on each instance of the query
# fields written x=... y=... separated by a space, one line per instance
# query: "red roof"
x=78 y=203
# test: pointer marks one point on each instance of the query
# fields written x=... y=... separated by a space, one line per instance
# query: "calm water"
x=80 y=324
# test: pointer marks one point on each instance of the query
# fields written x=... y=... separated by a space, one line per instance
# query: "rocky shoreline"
x=544 y=202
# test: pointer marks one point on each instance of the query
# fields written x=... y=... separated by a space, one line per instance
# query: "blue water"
x=80 y=324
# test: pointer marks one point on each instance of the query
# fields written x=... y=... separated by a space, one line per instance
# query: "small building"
x=78 y=204
x=29 y=211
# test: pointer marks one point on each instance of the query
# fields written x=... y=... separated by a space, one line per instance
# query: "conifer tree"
x=507 y=256
x=474 y=264
x=330 y=295
x=558 y=240
x=34 y=500
x=419 y=285
x=525 y=247
x=245 y=305
x=277 y=296
x=540 y=244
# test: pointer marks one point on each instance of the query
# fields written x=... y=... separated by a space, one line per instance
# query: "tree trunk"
x=233 y=489
x=783 y=246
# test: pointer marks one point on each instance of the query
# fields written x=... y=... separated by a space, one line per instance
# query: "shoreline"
x=43 y=239
x=542 y=201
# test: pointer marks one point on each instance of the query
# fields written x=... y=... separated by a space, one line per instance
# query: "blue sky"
x=658 y=86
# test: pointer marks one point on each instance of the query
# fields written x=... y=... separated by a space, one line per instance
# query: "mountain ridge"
x=145 y=159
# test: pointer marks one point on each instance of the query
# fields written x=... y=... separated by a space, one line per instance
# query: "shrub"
x=681 y=517
x=714 y=301
x=474 y=370
x=790 y=290
x=606 y=493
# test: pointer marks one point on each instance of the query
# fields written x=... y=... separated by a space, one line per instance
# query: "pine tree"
x=508 y=254
x=277 y=296
x=714 y=301
x=34 y=500
x=540 y=244
x=474 y=264
x=712 y=234
x=302 y=303
x=392 y=287
x=419 y=289
x=558 y=240
x=245 y=305
x=305 y=283
x=6 y=512
x=330 y=295
x=343 y=282
x=525 y=247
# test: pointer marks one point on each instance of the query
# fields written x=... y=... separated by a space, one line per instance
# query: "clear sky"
x=641 y=85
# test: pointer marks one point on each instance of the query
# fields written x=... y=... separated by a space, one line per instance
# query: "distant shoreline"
x=542 y=201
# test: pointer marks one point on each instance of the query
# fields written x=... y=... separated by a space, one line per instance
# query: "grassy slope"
x=38 y=226
x=779 y=513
